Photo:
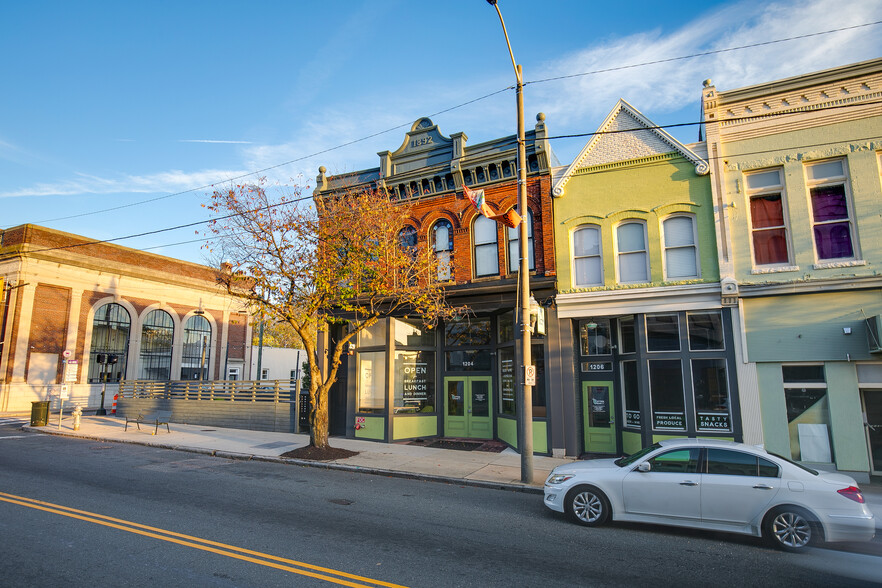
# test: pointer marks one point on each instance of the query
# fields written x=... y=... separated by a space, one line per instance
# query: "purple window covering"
x=828 y=203
x=770 y=246
x=767 y=211
x=833 y=241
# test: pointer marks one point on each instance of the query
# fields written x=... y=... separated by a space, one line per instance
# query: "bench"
x=160 y=417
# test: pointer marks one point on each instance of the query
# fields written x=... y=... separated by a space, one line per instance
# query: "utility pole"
x=525 y=412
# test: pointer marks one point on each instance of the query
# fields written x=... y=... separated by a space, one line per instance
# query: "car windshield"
x=629 y=459
x=797 y=464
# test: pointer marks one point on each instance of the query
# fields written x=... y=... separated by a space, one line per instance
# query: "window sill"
x=774 y=270
x=838 y=264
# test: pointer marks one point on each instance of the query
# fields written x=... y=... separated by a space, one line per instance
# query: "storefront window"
x=808 y=414
x=467 y=360
x=409 y=333
x=662 y=332
x=507 y=403
x=468 y=332
x=505 y=327
x=711 y=389
x=157 y=337
x=666 y=394
x=627 y=335
x=705 y=331
x=538 y=358
x=631 y=394
x=374 y=335
x=414 y=382
x=594 y=337
x=110 y=336
x=196 y=353
x=372 y=381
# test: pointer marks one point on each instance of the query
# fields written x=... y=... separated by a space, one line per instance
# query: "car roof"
x=684 y=442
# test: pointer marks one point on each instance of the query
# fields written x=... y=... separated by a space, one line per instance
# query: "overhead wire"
x=446 y=110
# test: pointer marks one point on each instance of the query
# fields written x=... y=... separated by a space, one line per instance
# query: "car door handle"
x=763 y=487
x=688 y=483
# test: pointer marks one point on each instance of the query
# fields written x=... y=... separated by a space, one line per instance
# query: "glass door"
x=873 y=425
x=598 y=402
x=467 y=402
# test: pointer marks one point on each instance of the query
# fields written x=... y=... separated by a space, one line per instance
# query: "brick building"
x=405 y=382
x=115 y=313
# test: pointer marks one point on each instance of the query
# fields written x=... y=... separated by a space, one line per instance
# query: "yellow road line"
x=198 y=543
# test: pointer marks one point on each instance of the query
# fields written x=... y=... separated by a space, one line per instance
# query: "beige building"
x=77 y=315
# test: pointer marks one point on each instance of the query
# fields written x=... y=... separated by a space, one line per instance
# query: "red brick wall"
x=236 y=340
x=48 y=332
x=457 y=209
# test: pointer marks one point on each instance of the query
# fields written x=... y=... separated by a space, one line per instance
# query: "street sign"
x=71 y=370
x=530 y=375
x=66 y=354
x=65 y=393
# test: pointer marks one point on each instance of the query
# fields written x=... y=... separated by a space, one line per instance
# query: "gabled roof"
x=609 y=145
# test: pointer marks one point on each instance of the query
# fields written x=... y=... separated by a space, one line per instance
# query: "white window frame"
x=750 y=194
x=575 y=257
x=514 y=252
x=645 y=251
x=842 y=180
x=694 y=246
x=443 y=257
x=487 y=245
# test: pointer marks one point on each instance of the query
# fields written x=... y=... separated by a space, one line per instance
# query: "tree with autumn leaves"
x=316 y=264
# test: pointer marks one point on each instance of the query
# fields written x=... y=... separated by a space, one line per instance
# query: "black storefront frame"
x=642 y=357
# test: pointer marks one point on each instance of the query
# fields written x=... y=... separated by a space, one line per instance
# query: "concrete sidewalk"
x=477 y=468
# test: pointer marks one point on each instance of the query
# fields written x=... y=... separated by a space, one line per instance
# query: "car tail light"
x=852 y=493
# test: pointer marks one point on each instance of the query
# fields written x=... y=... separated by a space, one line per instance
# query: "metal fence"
x=232 y=390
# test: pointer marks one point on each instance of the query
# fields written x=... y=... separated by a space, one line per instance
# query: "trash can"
x=39 y=414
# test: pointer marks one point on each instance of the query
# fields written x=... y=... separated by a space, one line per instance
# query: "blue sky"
x=111 y=104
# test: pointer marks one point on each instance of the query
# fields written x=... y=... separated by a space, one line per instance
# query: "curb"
x=305 y=463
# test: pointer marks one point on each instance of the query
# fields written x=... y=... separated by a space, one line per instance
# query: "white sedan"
x=714 y=485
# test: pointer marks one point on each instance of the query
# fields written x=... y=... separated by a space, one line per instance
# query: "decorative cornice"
x=701 y=166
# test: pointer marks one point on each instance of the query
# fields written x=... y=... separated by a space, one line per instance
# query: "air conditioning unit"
x=874 y=333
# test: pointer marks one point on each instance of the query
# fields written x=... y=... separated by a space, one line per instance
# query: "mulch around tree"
x=313 y=453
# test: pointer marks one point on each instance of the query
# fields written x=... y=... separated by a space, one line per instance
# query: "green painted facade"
x=649 y=189
x=412 y=427
x=808 y=307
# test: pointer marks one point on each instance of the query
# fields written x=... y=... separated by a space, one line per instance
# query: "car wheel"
x=587 y=505
x=790 y=528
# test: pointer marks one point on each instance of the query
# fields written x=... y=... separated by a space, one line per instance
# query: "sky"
x=119 y=118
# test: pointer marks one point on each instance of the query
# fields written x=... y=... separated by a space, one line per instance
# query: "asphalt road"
x=145 y=516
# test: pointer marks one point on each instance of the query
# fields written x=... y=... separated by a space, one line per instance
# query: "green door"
x=467 y=403
x=598 y=403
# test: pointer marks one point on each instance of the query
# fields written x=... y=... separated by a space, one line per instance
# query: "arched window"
x=514 y=252
x=157 y=338
x=587 y=257
x=486 y=254
x=196 y=354
x=681 y=254
x=442 y=237
x=110 y=338
x=632 y=255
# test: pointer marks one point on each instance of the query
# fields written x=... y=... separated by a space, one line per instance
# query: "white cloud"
x=669 y=86
x=170 y=182
x=220 y=141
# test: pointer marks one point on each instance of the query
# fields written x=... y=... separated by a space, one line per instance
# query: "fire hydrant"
x=77 y=413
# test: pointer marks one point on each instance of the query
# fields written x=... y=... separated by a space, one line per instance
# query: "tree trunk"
x=318 y=425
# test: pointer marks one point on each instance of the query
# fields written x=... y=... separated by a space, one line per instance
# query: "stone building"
x=77 y=314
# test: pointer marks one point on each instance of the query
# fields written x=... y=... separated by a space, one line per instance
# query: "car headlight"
x=555 y=479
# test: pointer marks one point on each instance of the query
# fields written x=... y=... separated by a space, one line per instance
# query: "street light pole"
x=525 y=414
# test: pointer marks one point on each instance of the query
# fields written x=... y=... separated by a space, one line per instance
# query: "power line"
x=446 y=110
x=703 y=54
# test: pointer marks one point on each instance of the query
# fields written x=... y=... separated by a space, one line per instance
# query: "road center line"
x=203 y=544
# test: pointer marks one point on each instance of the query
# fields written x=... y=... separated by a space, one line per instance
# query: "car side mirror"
x=644 y=467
